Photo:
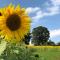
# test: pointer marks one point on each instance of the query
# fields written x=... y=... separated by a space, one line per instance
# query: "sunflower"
x=14 y=23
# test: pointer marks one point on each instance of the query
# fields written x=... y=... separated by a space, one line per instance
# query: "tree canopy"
x=40 y=35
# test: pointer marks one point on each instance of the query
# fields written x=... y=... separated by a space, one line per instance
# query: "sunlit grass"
x=47 y=52
x=43 y=46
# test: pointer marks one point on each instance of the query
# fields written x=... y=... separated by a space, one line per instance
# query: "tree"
x=27 y=38
x=51 y=43
x=58 y=44
x=40 y=35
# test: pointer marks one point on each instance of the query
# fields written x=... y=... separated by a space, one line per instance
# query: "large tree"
x=40 y=35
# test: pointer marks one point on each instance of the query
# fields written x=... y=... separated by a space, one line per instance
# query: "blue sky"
x=42 y=12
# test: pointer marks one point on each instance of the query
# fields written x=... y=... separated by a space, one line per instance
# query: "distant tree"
x=27 y=38
x=40 y=35
x=58 y=44
x=51 y=43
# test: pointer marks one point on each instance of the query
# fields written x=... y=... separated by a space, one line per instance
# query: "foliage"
x=58 y=44
x=27 y=38
x=40 y=35
x=51 y=43
x=23 y=52
x=18 y=52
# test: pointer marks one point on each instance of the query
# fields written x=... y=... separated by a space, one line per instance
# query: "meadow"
x=28 y=52
x=47 y=52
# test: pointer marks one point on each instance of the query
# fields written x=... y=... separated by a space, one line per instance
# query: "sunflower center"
x=13 y=22
x=0 y=14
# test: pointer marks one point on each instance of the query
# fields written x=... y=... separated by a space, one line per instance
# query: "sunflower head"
x=14 y=23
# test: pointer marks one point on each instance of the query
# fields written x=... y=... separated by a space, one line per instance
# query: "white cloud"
x=55 y=2
x=55 y=33
x=51 y=11
x=32 y=10
x=39 y=13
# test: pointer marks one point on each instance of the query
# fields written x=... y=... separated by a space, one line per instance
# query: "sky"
x=42 y=13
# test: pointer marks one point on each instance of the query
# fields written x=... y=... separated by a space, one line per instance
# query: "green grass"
x=23 y=52
x=47 y=53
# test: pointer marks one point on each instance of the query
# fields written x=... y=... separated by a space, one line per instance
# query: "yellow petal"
x=10 y=9
x=17 y=8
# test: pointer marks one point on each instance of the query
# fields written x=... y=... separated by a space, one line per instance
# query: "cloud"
x=55 y=2
x=53 y=10
x=55 y=33
x=50 y=11
x=32 y=10
x=39 y=14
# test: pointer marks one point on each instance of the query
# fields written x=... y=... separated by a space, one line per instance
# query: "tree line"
x=40 y=37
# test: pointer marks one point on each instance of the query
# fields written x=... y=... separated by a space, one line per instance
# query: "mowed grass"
x=47 y=52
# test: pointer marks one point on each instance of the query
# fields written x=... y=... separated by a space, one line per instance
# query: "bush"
x=18 y=53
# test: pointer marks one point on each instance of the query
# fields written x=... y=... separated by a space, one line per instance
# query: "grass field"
x=24 y=52
x=47 y=52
